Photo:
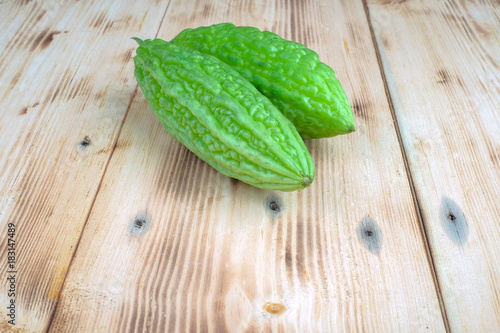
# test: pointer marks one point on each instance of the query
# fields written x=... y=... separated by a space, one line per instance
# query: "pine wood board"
x=442 y=65
x=63 y=98
x=171 y=245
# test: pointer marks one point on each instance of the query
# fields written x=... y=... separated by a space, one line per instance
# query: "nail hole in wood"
x=370 y=235
x=274 y=205
x=454 y=221
x=85 y=142
x=140 y=224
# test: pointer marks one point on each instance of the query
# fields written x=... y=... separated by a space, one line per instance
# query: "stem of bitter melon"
x=138 y=40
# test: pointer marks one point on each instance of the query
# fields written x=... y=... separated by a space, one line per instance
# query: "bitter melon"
x=289 y=74
x=221 y=117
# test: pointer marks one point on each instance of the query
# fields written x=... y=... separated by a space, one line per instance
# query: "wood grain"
x=442 y=62
x=66 y=84
x=171 y=245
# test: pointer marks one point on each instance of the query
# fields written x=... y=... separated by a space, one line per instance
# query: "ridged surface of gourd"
x=304 y=89
x=221 y=117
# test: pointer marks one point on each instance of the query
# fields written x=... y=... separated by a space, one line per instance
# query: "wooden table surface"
x=110 y=225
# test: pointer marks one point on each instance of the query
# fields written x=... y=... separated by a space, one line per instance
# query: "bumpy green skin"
x=290 y=75
x=221 y=117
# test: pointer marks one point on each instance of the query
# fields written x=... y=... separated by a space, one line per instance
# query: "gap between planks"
x=423 y=233
x=92 y=206
x=101 y=181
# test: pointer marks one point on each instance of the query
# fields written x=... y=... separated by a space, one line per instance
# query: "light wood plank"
x=171 y=245
x=66 y=82
x=442 y=62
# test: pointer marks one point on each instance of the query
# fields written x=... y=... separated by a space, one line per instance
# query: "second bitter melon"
x=289 y=74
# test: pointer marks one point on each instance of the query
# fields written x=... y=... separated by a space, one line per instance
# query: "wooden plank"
x=171 y=245
x=442 y=62
x=66 y=81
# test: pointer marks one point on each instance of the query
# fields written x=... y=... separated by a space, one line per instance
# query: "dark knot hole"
x=273 y=205
x=139 y=223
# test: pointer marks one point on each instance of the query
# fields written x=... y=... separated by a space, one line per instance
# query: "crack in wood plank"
x=117 y=139
x=411 y=183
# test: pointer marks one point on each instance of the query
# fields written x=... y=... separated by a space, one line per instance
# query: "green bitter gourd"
x=221 y=117
x=304 y=89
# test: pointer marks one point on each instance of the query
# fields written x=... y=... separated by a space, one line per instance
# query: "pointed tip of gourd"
x=138 y=40
x=306 y=181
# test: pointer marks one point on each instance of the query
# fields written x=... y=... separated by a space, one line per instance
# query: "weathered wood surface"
x=65 y=88
x=170 y=244
x=121 y=229
x=442 y=65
